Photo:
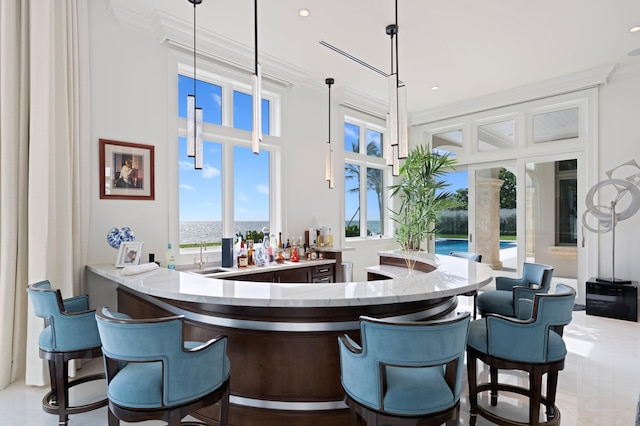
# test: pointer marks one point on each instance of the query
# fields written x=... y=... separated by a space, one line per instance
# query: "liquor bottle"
x=260 y=256
x=279 y=240
x=294 y=255
x=170 y=257
x=269 y=249
x=243 y=260
x=330 y=239
x=250 y=261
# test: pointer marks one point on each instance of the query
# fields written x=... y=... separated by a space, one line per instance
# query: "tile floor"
x=598 y=387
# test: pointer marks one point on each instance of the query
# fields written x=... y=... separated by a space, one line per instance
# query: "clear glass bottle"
x=170 y=257
x=268 y=247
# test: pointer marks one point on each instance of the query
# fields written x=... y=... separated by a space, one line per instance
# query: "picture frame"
x=129 y=254
x=133 y=159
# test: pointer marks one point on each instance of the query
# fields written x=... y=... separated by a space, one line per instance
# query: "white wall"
x=619 y=136
x=128 y=103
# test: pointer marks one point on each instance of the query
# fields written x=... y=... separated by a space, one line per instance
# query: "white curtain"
x=14 y=94
x=48 y=185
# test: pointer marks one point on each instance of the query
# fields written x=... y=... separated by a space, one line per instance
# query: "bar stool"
x=531 y=343
x=70 y=333
x=473 y=257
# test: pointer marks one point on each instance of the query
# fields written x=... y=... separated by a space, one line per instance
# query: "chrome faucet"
x=201 y=263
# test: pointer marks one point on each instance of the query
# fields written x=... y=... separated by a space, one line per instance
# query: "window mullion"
x=363 y=200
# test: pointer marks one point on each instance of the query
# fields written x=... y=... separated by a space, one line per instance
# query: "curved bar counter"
x=283 y=337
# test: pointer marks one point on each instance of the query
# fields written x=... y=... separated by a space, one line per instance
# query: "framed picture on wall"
x=129 y=254
x=126 y=171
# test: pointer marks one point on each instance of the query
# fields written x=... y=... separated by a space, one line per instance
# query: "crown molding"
x=178 y=33
x=624 y=72
x=362 y=102
x=565 y=84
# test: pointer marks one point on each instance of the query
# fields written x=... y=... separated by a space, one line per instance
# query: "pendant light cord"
x=329 y=82
x=194 y=53
x=396 y=37
x=329 y=114
x=255 y=33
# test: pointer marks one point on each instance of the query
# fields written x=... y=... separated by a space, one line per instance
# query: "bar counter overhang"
x=282 y=338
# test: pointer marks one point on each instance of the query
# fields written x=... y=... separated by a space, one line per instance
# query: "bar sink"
x=208 y=271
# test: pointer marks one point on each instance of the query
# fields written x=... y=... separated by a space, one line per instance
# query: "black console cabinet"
x=609 y=300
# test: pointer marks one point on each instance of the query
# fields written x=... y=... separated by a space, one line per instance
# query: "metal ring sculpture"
x=603 y=213
x=607 y=216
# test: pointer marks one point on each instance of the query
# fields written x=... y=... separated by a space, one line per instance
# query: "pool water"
x=445 y=245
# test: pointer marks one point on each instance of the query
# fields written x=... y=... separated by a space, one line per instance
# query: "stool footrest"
x=553 y=419
x=49 y=401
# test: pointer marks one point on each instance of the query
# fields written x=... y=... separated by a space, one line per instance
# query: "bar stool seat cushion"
x=414 y=391
x=478 y=340
x=139 y=385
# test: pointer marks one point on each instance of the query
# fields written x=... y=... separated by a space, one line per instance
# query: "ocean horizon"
x=193 y=232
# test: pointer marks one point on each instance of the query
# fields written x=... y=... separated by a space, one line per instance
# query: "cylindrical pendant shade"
x=395 y=168
x=388 y=150
x=330 y=169
x=256 y=92
x=199 y=140
x=403 y=123
x=393 y=109
x=327 y=163
x=191 y=126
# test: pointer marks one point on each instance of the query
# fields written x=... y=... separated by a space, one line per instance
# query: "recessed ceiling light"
x=304 y=12
x=435 y=87
x=634 y=29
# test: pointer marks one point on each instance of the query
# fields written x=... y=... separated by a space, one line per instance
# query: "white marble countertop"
x=452 y=276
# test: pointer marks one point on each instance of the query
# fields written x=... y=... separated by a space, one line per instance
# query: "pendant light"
x=194 y=114
x=256 y=89
x=329 y=155
x=397 y=123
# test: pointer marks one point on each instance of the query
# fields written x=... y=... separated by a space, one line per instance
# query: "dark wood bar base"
x=285 y=361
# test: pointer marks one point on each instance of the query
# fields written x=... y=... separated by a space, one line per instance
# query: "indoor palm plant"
x=421 y=194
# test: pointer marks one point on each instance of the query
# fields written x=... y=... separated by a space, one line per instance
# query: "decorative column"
x=530 y=235
x=488 y=220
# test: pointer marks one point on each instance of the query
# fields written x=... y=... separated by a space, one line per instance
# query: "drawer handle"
x=323 y=270
x=322 y=280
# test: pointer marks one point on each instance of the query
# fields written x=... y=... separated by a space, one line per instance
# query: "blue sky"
x=201 y=190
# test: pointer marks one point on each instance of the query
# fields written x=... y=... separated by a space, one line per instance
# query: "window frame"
x=366 y=123
x=228 y=137
x=563 y=175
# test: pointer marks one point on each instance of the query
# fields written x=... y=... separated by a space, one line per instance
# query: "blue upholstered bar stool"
x=535 y=279
x=471 y=257
x=531 y=343
x=70 y=333
x=154 y=374
x=405 y=373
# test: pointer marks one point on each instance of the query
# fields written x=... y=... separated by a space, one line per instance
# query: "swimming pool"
x=446 y=245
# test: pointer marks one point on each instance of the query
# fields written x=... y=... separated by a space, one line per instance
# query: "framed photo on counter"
x=129 y=254
x=126 y=171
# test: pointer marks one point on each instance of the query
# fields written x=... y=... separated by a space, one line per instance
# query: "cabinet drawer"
x=324 y=279
x=322 y=270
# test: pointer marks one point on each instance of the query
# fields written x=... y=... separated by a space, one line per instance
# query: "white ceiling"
x=469 y=48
